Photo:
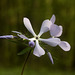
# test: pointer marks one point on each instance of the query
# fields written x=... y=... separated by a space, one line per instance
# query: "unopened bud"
x=7 y=37
x=31 y=44
x=50 y=56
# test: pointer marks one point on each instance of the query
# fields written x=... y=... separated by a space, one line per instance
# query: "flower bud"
x=7 y=37
x=31 y=44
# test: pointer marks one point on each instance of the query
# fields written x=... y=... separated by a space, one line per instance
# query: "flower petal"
x=51 y=41
x=38 y=51
x=16 y=32
x=55 y=30
x=28 y=26
x=65 y=45
x=60 y=32
x=22 y=36
x=53 y=19
x=45 y=27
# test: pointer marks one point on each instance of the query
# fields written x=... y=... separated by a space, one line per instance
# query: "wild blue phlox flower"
x=47 y=25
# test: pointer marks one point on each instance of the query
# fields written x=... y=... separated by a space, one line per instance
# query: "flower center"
x=36 y=38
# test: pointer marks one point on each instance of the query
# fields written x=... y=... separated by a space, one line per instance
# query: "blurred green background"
x=11 y=18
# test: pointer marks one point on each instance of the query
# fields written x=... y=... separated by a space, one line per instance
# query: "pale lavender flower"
x=47 y=25
x=38 y=50
x=55 y=32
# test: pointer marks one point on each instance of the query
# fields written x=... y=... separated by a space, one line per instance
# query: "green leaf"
x=19 y=42
x=24 y=51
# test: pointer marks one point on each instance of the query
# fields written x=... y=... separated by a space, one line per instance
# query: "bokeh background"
x=11 y=18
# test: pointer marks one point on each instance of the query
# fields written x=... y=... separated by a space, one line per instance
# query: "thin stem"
x=25 y=62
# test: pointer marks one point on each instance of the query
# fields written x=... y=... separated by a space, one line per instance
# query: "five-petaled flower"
x=47 y=25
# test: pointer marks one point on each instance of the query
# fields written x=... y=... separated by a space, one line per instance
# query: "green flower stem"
x=25 y=62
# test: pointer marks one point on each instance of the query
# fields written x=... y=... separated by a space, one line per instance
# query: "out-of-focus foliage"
x=33 y=71
x=11 y=16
